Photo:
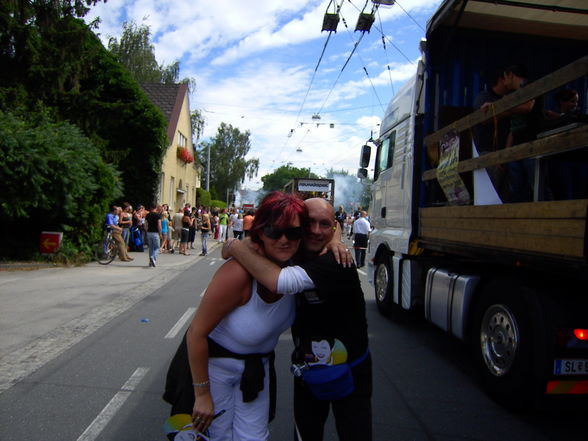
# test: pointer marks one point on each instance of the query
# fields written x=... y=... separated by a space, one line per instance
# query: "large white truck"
x=509 y=279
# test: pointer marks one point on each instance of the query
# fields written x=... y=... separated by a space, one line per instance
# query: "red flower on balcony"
x=185 y=155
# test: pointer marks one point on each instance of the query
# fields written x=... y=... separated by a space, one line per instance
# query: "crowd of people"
x=165 y=232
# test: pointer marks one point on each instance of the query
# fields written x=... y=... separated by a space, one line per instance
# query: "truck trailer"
x=509 y=279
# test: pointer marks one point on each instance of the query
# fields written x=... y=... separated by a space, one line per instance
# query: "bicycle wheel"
x=106 y=251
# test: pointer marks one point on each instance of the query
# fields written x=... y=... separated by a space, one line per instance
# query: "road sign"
x=50 y=242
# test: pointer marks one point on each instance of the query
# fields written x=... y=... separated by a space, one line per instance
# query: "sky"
x=256 y=67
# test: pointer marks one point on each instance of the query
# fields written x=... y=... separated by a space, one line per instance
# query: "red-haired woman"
x=235 y=330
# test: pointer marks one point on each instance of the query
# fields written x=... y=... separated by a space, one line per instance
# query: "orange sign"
x=50 y=242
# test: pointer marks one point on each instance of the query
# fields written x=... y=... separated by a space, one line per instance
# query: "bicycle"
x=106 y=250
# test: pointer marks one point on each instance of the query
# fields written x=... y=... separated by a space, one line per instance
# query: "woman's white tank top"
x=256 y=326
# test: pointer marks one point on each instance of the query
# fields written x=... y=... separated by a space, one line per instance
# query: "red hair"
x=278 y=209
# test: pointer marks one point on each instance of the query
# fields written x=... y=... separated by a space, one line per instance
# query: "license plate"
x=570 y=367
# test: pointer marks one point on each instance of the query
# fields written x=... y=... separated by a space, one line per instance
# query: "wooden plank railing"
x=565 y=142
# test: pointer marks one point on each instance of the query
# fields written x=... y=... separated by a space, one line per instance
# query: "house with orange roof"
x=181 y=170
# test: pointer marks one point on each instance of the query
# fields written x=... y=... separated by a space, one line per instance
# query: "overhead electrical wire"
x=386 y=52
x=410 y=16
x=337 y=9
x=343 y=68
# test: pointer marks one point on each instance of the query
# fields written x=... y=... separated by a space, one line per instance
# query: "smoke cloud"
x=349 y=192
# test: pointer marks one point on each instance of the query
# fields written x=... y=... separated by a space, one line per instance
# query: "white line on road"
x=362 y=272
x=180 y=323
x=212 y=263
x=94 y=429
x=202 y=293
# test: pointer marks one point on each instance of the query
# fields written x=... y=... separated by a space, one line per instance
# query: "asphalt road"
x=84 y=353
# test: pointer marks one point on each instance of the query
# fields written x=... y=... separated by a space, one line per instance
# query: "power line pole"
x=208 y=168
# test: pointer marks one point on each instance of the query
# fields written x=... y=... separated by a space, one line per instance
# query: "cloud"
x=253 y=68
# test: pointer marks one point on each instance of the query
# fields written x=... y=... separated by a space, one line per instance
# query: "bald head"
x=320 y=204
x=321 y=222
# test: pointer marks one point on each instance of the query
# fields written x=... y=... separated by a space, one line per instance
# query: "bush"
x=203 y=197
x=218 y=204
x=55 y=180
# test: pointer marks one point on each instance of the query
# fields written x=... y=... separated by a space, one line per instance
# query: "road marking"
x=362 y=272
x=180 y=323
x=100 y=422
x=203 y=292
x=212 y=263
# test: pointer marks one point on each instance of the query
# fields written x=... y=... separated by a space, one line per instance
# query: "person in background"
x=165 y=232
x=177 y=225
x=493 y=134
x=568 y=171
x=232 y=218
x=153 y=230
x=126 y=222
x=116 y=231
x=205 y=232
x=192 y=235
x=361 y=231
x=247 y=222
x=231 y=339
x=238 y=227
x=223 y=222
x=341 y=216
x=214 y=224
x=185 y=232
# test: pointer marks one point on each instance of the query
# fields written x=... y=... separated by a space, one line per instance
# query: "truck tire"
x=502 y=342
x=383 y=285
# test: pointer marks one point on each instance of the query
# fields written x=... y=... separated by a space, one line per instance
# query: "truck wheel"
x=502 y=344
x=383 y=285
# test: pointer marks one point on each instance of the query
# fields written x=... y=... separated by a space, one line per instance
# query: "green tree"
x=36 y=197
x=331 y=173
x=280 y=177
x=228 y=166
x=198 y=123
x=203 y=197
x=137 y=54
x=54 y=67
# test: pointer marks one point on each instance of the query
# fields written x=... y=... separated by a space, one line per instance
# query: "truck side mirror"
x=362 y=173
x=366 y=152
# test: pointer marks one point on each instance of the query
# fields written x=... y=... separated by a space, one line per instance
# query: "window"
x=172 y=190
x=182 y=140
x=385 y=154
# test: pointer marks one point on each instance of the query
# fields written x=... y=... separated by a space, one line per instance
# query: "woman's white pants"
x=241 y=421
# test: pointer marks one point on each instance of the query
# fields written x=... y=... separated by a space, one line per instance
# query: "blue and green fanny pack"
x=332 y=382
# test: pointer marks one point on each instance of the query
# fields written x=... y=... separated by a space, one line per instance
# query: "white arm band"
x=292 y=280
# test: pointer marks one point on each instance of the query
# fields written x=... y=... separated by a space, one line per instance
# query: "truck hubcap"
x=381 y=282
x=499 y=339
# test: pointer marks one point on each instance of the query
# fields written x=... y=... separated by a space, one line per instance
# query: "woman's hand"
x=341 y=253
x=226 y=250
x=203 y=411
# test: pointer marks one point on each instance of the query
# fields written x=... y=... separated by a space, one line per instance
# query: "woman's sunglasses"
x=293 y=233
